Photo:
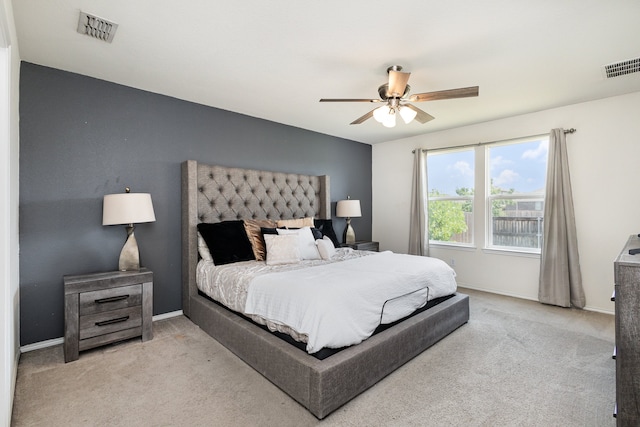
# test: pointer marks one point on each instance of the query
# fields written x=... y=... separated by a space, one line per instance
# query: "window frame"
x=471 y=199
x=490 y=198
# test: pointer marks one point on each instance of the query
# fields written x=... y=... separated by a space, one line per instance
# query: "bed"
x=212 y=194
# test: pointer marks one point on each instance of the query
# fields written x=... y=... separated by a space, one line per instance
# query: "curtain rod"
x=479 y=144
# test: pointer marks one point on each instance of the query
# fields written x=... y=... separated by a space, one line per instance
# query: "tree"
x=446 y=218
x=498 y=206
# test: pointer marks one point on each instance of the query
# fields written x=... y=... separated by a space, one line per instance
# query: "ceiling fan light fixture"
x=390 y=119
x=407 y=114
x=381 y=113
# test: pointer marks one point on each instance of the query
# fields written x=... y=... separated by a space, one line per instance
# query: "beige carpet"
x=516 y=363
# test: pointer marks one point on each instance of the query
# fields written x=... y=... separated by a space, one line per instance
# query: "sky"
x=521 y=166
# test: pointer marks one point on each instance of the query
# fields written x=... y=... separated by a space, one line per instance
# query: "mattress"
x=328 y=304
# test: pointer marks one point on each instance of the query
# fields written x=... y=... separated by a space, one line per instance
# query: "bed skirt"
x=322 y=386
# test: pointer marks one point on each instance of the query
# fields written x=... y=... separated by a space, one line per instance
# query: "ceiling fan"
x=396 y=98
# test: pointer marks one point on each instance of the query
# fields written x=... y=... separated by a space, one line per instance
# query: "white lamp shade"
x=407 y=114
x=348 y=208
x=127 y=208
x=389 y=121
x=381 y=113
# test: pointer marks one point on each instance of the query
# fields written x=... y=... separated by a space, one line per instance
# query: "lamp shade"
x=127 y=208
x=381 y=113
x=407 y=114
x=348 y=208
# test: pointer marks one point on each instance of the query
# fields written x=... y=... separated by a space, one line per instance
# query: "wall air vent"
x=96 y=27
x=622 y=67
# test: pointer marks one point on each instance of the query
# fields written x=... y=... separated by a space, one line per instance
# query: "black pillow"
x=317 y=234
x=326 y=228
x=265 y=230
x=227 y=241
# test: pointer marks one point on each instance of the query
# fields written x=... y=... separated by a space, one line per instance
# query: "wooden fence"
x=520 y=232
x=517 y=231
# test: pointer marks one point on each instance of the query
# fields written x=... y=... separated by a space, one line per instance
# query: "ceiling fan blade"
x=362 y=118
x=348 y=100
x=397 y=83
x=422 y=116
x=463 y=92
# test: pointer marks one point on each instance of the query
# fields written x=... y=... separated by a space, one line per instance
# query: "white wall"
x=9 y=149
x=604 y=157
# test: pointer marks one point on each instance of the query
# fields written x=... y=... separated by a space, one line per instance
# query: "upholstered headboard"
x=218 y=193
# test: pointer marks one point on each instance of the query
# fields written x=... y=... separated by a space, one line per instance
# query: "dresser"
x=627 y=355
x=103 y=308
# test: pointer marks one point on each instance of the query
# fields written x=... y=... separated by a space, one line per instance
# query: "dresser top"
x=624 y=258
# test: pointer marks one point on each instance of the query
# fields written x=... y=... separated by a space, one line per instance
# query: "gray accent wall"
x=82 y=138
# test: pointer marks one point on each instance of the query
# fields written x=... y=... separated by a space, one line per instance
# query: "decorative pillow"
x=203 y=249
x=325 y=248
x=295 y=223
x=282 y=249
x=268 y=230
x=317 y=234
x=326 y=228
x=307 y=243
x=227 y=241
x=254 y=233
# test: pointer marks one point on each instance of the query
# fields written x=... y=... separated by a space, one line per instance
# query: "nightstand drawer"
x=110 y=321
x=110 y=299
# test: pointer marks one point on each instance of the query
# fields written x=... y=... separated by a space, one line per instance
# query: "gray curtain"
x=560 y=276
x=418 y=235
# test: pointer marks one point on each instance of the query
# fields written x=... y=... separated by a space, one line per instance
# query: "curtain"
x=418 y=236
x=560 y=276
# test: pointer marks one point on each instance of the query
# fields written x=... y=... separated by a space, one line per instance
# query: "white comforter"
x=333 y=304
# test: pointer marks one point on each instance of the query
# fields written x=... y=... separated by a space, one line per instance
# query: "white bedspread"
x=340 y=303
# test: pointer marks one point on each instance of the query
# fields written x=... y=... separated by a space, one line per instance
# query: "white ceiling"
x=276 y=59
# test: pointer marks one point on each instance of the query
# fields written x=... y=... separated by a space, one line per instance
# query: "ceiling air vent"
x=98 y=28
x=621 y=68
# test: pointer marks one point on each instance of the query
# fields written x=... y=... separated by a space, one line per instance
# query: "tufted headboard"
x=218 y=193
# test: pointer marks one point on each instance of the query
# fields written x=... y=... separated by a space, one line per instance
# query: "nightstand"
x=103 y=308
x=363 y=245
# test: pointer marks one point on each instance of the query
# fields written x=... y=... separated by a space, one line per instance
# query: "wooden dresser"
x=627 y=356
x=103 y=308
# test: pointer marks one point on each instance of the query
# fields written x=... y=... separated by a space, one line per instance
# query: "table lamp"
x=348 y=209
x=128 y=208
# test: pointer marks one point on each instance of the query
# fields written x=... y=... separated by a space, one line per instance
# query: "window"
x=450 y=181
x=515 y=194
x=507 y=190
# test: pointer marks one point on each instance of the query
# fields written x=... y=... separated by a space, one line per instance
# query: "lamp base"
x=349 y=235
x=130 y=255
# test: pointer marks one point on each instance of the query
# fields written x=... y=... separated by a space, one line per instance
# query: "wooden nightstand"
x=103 y=308
x=363 y=245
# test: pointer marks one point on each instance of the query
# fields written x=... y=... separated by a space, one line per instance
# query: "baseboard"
x=41 y=344
x=14 y=379
x=167 y=315
x=507 y=294
x=57 y=341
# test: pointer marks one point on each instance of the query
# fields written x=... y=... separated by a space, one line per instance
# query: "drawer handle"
x=111 y=299
x=112 y=321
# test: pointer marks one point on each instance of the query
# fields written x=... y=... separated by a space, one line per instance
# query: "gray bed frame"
x=215 y=193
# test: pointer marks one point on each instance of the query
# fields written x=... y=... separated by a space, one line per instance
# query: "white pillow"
x=307 y=244
x=281 y=249
x=203 y=249
x=325 y=248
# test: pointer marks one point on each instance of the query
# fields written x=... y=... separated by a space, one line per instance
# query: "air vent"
x=96 y=27
x=621 y=68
